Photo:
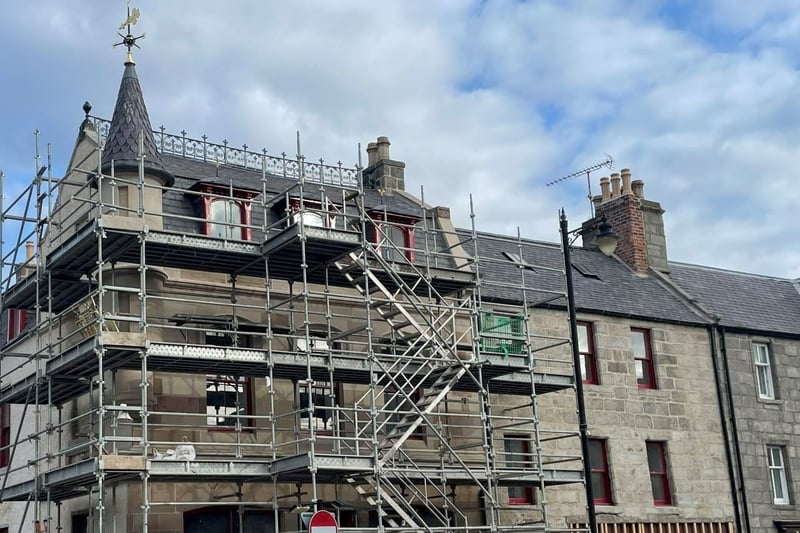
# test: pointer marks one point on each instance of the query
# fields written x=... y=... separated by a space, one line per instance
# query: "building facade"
x=657 y=448
x=757 y=333
x=202 y=338
x=752 y=333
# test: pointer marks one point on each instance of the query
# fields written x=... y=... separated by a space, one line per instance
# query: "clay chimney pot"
x=383 y=148
x=615 y=192
x=626 y=181
x=372 y=153
x=637 y=186
x=605 y=192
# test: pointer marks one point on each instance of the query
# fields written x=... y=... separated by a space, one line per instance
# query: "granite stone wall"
x=765 y=422
x=682 y=412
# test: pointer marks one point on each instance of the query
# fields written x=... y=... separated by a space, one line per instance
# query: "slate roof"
x=190 y=171
x=131 y=120
x=602 y=284
x=742 y=300
x=206 y=171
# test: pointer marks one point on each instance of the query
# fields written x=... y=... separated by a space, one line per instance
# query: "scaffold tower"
x=202 y=335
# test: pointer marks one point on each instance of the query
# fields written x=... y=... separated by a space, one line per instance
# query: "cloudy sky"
x=492 y=98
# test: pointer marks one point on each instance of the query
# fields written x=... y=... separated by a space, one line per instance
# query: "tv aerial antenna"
x=608 y=162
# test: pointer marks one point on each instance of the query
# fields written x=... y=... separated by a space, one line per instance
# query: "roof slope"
x=742 y=300
x=181 y=216
x=130 y=122
x=209 y=172
x=602 y=284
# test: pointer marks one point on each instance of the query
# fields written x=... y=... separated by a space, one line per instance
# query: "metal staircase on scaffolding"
x=401 y=496
x=414 y=380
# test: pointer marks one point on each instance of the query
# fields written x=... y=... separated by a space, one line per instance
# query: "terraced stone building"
x=204 y=338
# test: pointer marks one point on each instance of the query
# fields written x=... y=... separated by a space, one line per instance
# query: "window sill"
x=670 y=509
x=607 y=508
x=784 y=506
x=774 y=402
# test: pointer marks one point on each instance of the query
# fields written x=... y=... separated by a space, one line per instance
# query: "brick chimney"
x=382 y=171
x=638 y=222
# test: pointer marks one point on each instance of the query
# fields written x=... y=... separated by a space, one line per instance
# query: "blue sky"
x=491 y=98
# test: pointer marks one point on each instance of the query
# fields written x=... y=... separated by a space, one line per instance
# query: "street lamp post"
x=606 y=240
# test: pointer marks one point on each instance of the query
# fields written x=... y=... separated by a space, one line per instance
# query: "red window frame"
x=519 y=494
x=648 y=379
x=601 y=476
x=657 y=462
x=329 y=217
x=406 y=227
x=247 y=384
x=213 y=192
x=15 y=322
x=5 y=434
x=588 y=355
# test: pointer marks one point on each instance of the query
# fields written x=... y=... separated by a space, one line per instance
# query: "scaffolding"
x=298 y=358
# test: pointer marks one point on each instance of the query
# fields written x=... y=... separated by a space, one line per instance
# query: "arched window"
x=226 y=219
x=394 y=237
x=226 y=210
x=313 y=213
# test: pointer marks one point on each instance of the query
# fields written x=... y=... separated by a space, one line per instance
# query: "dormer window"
x=226 y=218
x=313 y=214
x=394 y=237
x=15 y=322
x=226 y=210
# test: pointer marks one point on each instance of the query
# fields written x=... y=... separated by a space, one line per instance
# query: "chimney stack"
x=382 y=171
x=638 y=221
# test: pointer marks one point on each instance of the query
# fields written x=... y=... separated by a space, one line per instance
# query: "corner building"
x=202 y=338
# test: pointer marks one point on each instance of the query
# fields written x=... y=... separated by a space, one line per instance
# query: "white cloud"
x=488 y=98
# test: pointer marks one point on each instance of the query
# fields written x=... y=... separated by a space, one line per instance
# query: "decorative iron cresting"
x=224 y=154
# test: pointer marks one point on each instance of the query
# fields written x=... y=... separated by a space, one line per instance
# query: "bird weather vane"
x=129 y=40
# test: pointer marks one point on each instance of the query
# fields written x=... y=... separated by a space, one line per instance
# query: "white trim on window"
x=777 y=475
x=763 y=365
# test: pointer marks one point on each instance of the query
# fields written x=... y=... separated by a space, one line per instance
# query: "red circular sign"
x=323 y=522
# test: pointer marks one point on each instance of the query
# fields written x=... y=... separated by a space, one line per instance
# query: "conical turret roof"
x=130 y=121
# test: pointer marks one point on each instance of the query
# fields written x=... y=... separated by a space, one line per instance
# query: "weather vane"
x=129 y=40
